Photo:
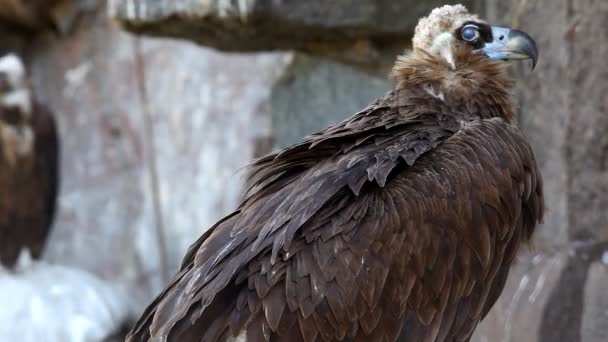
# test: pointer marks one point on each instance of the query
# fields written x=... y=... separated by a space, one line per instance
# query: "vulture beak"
x=509 y=44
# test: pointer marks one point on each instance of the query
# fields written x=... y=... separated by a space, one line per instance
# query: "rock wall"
x=364 y=32
x=559 y=292
x=314 y=92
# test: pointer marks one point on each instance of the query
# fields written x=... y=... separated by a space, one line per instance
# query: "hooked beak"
x=510 y=44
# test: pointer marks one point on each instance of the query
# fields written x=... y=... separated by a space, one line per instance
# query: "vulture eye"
x=470 y=33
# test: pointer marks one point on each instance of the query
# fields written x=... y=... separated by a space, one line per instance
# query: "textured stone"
x=518 y=314
x=586 y=38
x=552 y=297
x=362 y=31
x=314 y=93
x=154 y=133
x=543 y=110
x=595 y=315
x=563 y=111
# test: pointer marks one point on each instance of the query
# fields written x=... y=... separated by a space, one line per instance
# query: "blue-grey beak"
x=509 y=44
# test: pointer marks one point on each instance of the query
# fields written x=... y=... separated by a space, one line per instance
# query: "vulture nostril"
x=502 y=37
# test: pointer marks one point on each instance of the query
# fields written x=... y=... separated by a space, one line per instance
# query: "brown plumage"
x=400 y=222
x=35 y=15
x=28 y=166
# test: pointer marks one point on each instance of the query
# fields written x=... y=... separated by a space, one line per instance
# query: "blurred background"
x=161 y=103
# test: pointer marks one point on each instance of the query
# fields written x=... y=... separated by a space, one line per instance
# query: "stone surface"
x=586 y=38
x=518 y=315
x=563 y=110
x=543 y=111
x=553 y=297
x=362 y=31
x=595 y=315
x=314 y=93
x=154 y=133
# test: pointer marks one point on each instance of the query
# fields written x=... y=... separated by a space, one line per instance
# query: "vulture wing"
x=398 y=220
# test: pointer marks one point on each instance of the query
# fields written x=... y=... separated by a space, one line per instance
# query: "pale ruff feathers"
x=434 y=33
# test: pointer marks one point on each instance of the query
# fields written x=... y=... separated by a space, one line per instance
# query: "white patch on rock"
x=76 y=77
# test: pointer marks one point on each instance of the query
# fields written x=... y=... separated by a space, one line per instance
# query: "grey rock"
x=595 y=314
x=154 y=133
x=552 y=297
x=563 y=106
x=314 y=93
x=361 y=31
x=518 y=314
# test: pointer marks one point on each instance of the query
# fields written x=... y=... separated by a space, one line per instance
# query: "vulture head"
x=16 y=135
x=461 y=59
x=14 y=90
x=453 y=33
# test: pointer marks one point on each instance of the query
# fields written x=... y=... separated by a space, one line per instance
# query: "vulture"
x=28 y=166
x=399 y=223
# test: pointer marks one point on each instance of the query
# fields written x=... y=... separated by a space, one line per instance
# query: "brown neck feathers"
x=477 y=85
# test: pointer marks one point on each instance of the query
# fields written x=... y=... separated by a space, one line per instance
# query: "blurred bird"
x=28 y=166
x=399 y=223
x=33 y=15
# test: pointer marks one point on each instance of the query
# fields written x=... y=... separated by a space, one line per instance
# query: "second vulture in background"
x=29 y=152
x=399 y=223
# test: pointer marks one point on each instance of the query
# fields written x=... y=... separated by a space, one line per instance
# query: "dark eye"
x=470 y=33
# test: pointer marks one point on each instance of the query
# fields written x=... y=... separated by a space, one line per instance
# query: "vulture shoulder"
x=389 y=222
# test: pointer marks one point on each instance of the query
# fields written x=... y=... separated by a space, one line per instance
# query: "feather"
x=274 y=304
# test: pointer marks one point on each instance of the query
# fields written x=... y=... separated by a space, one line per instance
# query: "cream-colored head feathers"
x=435 y=33
x=445 y=19
x=17 y=140
x=19 y=95
x=13 y=68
